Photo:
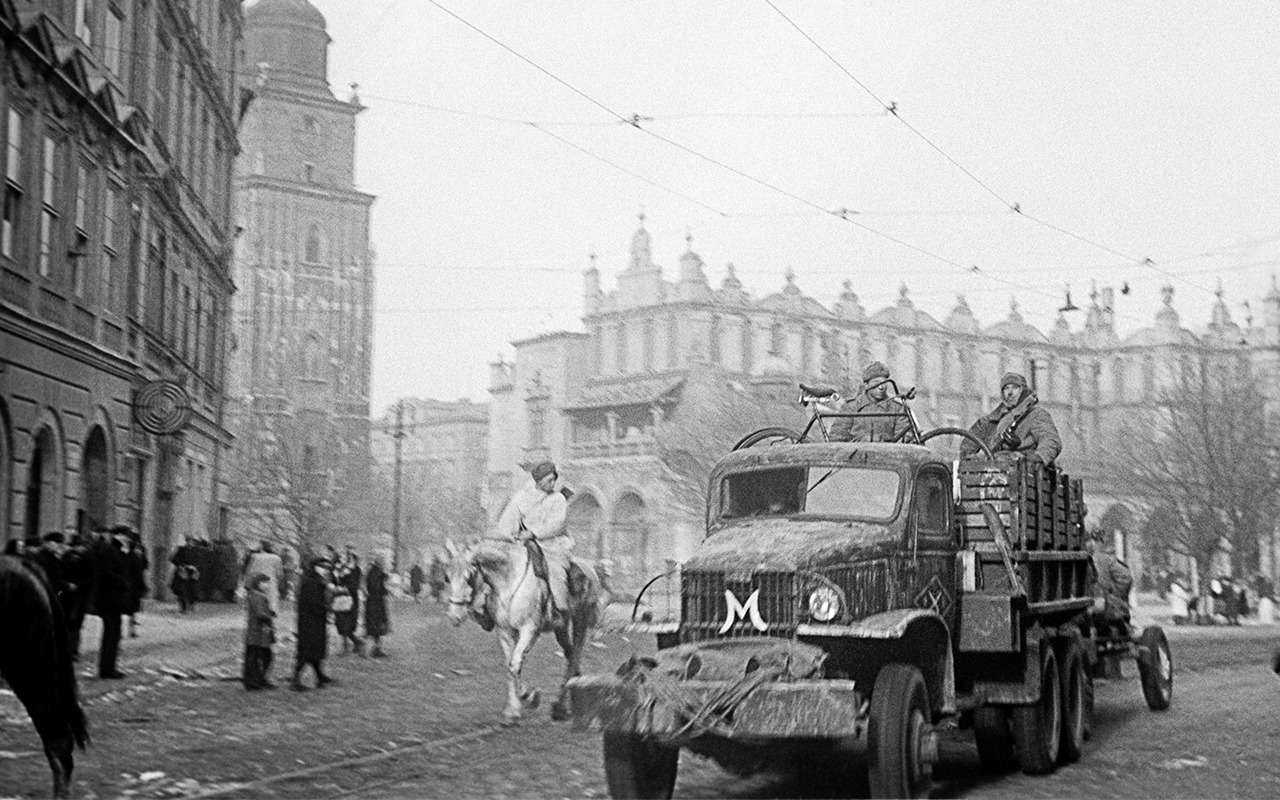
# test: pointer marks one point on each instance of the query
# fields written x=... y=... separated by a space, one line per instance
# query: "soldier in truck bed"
x=874 y=400
x=1019 y=424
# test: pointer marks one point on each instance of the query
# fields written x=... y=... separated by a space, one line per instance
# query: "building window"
x=49 y=210
x=748 y=345
x=111 y=283
x=308 y=172
x=648 y=345
x=80 y=250
x=620 y=354
x=84 y=20
x=537 y=412
x=12 y=185
x=311 y=250
x=713 y=346
x=160 y=87
x=111 y=43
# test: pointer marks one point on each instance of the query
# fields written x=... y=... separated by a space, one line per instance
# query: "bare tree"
x=1205 y=456
x=714 y=414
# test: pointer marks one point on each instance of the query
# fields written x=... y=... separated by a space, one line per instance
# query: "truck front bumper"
x=800 y=709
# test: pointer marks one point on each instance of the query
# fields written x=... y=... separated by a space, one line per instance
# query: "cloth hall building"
x=660 y=354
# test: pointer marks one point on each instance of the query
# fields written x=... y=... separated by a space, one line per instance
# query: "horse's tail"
x=68 y=691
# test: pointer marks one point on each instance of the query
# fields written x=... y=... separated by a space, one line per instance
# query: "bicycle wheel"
x=768 y=436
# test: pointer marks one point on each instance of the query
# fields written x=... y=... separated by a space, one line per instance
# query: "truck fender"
x=938 y=666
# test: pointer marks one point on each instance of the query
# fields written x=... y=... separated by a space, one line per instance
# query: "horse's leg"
x=528 y=635
x=57 y=749
x=566 y=637
x=511 y=713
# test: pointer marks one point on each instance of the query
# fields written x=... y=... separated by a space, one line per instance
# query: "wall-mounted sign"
x=162 y=407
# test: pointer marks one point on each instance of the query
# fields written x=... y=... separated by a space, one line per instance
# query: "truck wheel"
x=635 y=767
x=995 y=739
x=1074 y=700
x=900 y=740
x=1037 y=728
x=1155 y=668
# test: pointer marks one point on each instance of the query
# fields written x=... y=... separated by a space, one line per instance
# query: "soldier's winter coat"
x=1030 y=423
x=871 y=429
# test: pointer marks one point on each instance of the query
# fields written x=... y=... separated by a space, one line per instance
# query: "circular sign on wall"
x=162 y=407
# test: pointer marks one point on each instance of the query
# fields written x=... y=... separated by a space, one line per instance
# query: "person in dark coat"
x=78 y=577
x=313 y=624
x=110 y=598
x=186 y=574
x=874 y=400
x=416 y=578
x=347 y=576
x=259 y=635
x=137 y=560
x=377 y=623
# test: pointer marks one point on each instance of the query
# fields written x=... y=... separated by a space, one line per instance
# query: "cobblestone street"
x=423 y=723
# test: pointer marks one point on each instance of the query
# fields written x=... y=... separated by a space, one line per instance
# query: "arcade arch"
x=95 y=478
x=44 y=496
x=585 y=524
x=630 y=540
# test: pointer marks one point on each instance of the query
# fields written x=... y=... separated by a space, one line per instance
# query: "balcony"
x=639 y=444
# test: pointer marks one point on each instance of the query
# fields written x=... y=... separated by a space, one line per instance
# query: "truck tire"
x=1155 y=668
x=994 y=737
x=635 y=767
x=1037 y=727
x=901 y=747
x=1074 y=700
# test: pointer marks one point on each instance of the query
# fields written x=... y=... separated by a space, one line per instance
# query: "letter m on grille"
x=735 y=611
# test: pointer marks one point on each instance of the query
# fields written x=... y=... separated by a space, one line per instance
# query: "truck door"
x=931 y=546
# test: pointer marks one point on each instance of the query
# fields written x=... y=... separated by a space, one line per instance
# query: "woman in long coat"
x=376 y=621
x=313 y=624
x=348 y=577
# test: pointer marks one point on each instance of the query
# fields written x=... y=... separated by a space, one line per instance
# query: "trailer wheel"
x=1155 y=668
x=635 y=767
x=994 y=737
x=901 y=743
x=1037 y=728
x=1074 y=701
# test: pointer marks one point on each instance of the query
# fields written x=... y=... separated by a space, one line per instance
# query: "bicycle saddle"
x=817 y=391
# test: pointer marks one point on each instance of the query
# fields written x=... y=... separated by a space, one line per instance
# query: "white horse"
x=519 y=604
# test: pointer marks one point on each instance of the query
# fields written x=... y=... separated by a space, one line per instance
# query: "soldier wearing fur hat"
x=539 y=512
x=873 y=400
x=1019 y=424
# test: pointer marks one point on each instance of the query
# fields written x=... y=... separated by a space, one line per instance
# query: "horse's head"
x=461 y=574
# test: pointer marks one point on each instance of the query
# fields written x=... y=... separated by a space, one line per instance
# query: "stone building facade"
x=442 y=470
x=656 y=350
x=299 y=387
x=119 y=128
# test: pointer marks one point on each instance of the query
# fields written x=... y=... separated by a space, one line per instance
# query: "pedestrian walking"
x=437 y=578
x=1179 y=599
x=313 y=624
x=377 y=622
x=259 y=634
x=186 y=574
x=77 y=572
x=346 y=603
x=137 y=563
x=416 y=578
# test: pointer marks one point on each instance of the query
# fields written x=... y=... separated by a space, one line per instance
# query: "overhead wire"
x=1016 y=207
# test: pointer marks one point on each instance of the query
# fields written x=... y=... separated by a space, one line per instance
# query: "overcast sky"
x=1151 y=130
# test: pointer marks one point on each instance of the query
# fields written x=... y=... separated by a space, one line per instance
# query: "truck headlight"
x=824 y=604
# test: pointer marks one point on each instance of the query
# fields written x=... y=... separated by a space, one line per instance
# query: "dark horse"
x=35 y=660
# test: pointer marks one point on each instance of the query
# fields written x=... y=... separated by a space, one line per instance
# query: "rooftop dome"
x=1015 y=327
x=298 y=12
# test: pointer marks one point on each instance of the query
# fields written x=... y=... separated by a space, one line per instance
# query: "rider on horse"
x=537 y=514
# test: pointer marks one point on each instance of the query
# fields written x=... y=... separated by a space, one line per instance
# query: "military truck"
x=849 y=600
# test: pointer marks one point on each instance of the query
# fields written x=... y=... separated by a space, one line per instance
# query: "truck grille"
x=704 y=606
x=867 y=586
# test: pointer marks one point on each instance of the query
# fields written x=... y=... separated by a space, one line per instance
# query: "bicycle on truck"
x=823 y=402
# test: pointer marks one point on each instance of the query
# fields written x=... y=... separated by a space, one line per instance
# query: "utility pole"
x=398 y=435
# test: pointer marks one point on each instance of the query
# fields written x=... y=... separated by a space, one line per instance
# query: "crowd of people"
x=333 y=587
x=1229 y=600
x=98 y=573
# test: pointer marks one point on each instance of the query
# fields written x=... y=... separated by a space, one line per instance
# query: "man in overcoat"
x=259 y=634
x=313 y=624
x=111 y=597
x=1019 y=424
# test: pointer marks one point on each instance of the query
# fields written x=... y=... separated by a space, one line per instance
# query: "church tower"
x=304 y=274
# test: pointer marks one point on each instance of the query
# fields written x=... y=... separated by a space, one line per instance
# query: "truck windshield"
x=859 y=492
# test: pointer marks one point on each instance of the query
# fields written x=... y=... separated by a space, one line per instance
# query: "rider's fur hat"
x=1013 y=378
x=875 y=369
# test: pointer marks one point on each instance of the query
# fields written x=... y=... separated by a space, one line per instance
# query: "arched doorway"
x=44 y=496
x=95 y=478
x=584 y=524
x=630 y=540
x=6 y=472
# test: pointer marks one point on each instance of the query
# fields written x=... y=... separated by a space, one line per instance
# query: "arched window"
x=312 y=250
